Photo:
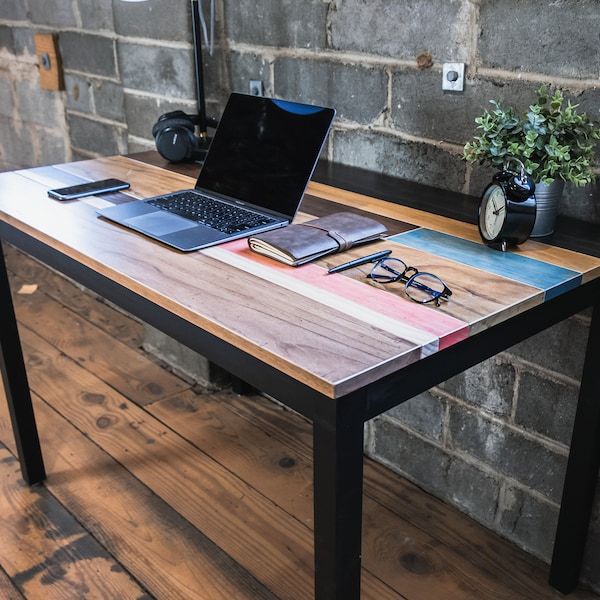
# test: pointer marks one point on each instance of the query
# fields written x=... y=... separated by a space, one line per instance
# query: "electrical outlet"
x=453 y=77
x=256 y=87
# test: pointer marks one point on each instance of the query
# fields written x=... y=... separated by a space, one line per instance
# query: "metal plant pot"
x=547 y=198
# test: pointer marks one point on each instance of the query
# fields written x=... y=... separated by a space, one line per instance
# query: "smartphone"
x=91 y=188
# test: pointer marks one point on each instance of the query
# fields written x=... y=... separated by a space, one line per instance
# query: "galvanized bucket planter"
x=547 y=197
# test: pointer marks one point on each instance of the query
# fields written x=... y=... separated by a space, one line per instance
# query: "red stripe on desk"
x=432 y=320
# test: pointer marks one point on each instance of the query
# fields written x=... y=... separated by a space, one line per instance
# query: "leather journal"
x=302 y=242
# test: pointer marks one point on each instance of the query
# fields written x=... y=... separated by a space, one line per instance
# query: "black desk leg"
x=338 y=475
x=582 y=472
x=12 y=368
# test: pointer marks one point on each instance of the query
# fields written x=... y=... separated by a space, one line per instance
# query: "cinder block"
x=245 y=67
x=560 y=348
x=55 y=148
x=6 y=38
x=475 y=490
x=581 y=202
x=527 y=520
x=592 y=550
x=280 y=23
x=423 y=414
x=420 y=107
x=507 y=451
x=420 y=461
x=142 y=112
x=546 y=406
x=42 y=107
x=98 y=16
x=155 y=21
x=88 y=53
x=161 y=70
x=545 y=37
x=14 y=10
x=357 y=92
x=471 y=442
x=429 y=466
x=23 y=40
x=51 y=12
x=402 y=29
x=108 y=99
x=489 y=386
x=384 y=153
x=140 y=146
x=17 y=147
x=96 y=137
x=78 y=93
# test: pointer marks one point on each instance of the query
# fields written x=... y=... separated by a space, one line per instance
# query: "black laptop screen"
x=264 y=152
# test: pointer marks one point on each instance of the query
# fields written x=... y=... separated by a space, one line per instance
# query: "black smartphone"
x=91 y=188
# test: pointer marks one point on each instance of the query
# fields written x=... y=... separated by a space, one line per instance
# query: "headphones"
x=175 y=139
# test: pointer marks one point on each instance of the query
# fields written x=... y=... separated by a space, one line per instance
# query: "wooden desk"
x=333 y=347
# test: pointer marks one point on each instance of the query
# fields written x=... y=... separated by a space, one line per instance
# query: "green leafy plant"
x=552 y=139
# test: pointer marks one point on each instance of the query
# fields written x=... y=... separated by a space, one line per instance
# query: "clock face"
x=492 y=213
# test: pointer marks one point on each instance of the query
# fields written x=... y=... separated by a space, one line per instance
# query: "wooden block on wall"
x=48 y=53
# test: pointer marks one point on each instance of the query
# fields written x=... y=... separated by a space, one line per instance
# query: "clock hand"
x=498 y=210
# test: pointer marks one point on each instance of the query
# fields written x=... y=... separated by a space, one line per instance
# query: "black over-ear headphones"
x=175 y=139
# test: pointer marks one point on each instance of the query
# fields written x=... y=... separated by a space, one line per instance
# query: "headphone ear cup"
x=174 y=136
x=175 y=117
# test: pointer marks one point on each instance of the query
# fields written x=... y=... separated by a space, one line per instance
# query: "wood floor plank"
x=46 y=552
x=258 y=534
x=8 y=591
x=217 y=503
x=99 y=313
x=405 y=557
x=278 y=472
x=286 y=478
x=152 y=542
x=131 y=373
x=396 y=502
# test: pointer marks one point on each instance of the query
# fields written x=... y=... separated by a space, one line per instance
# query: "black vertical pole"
x=338 y=484
x=197 y=37
x=582 y=471
x=12 y=368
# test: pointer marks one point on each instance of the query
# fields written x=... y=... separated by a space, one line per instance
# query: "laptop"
x=259 y=163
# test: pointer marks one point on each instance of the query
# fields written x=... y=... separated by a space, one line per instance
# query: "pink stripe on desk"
x=434 y=321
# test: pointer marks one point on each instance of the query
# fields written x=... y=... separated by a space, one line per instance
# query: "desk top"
x=334 y=333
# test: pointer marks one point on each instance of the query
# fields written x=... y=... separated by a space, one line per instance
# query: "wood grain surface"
x=298 y=319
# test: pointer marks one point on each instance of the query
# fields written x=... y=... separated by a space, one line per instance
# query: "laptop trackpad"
x=160 y=223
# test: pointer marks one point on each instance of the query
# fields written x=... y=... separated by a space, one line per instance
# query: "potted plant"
x=553 y=141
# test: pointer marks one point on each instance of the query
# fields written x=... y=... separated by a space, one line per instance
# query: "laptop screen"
x=264 y=152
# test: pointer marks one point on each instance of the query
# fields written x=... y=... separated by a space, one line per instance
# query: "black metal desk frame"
x=337 y=424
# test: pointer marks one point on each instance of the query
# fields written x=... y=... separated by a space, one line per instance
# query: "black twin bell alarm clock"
x=507 y=208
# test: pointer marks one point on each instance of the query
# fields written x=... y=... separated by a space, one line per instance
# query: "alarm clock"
x=507 y=208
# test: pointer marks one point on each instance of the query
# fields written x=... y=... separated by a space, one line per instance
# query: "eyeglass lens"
x=388 y=270
x=420 y=287
x=425 y=287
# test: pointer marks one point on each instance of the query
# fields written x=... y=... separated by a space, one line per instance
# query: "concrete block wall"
x=492 y=441
x=495 y=438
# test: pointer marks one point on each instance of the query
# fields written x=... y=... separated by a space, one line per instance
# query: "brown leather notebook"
x=300 y=243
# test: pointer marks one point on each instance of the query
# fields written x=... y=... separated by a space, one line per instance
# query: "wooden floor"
x=159 y=490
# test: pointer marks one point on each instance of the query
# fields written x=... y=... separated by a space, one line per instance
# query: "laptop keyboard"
x=218 y=215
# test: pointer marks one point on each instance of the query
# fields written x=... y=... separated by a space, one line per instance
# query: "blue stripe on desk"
x=550 y=278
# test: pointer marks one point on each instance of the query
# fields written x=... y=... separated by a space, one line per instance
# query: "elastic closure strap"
x=340 y=240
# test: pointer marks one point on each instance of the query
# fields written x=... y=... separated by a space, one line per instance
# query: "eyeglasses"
x=420 y=287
